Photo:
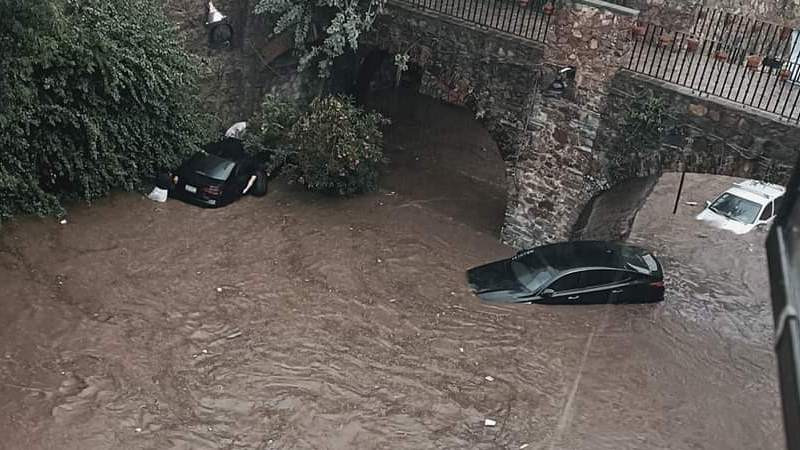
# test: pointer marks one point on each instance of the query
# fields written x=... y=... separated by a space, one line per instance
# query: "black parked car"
x=219 y=176
x=579 y=272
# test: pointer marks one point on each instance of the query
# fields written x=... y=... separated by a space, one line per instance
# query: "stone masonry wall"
x=558 y=171
x=493 y=75
x=711 y=136
x=680 y=14
x=235 y=79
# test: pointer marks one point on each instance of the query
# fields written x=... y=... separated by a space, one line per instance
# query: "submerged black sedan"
x=578 y=272
x=219 y=176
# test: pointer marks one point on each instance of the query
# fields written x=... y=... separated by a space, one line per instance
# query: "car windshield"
x=212 y=166
x=736 y=208
x=533 y=277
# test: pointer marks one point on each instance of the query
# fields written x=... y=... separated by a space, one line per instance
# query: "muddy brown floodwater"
x=301 y=321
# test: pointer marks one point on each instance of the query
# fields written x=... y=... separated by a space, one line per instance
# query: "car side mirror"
x=708 y=203
x=547 y=293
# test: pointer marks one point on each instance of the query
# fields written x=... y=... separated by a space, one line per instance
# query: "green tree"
x=94 y=95
x=342 y=21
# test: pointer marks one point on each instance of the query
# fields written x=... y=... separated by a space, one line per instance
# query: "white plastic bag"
x=158 y=195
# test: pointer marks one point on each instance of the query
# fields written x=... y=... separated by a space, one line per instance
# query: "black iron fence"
x=529 y=19
x=757 y=68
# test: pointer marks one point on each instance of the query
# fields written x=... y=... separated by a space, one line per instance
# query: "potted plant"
x=664 y=40
x=692 y=43
x=638 y=30
x=548 y=8
x=721 y=55
x=784 y=74
x=754 y=61
x=785 y=33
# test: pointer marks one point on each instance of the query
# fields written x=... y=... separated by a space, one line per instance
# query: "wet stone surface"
x=301 y=321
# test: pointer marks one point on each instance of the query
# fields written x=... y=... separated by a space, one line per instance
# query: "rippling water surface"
x=300 y=321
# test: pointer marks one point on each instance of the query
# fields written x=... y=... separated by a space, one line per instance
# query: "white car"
x=745 y=206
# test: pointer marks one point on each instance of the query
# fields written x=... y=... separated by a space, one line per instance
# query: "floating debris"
x=488 y=378
x=489 y=422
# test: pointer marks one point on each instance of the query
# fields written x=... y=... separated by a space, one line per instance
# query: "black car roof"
x=565 y=256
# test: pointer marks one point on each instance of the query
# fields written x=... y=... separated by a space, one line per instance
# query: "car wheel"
x=259 y=188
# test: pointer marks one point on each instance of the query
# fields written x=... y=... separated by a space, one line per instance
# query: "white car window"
x=767 y=213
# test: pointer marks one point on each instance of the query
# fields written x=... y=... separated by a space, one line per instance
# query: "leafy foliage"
x=646 y=120
x=343 y=21
x=268 y=134
x=94 y=95
x=333 y=146
x=338 y=147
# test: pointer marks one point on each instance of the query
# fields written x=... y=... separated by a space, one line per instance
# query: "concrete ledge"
x=613 y=7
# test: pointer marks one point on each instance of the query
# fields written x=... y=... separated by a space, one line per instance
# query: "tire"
x=259 y=188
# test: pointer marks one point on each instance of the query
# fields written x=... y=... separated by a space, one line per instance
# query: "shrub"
x=337 y=147
x=94 y=95
x=268 y=132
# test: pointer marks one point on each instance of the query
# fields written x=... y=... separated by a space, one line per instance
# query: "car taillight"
x=657 y=284
x=214 y=191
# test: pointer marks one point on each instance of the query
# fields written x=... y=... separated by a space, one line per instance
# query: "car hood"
x=495 y=282
x=724 y=223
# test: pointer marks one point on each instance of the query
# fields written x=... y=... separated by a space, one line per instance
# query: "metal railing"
x=746 y=68
x=522 y=18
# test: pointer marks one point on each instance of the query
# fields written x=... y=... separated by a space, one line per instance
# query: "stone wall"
x=235 y=79
x=558 y=171
x=710 y=136
x=492 y=75
x=680 y=14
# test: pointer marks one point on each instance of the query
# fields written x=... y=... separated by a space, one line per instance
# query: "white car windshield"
x=736 y=208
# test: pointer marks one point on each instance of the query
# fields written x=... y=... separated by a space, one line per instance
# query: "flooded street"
x=298 y=321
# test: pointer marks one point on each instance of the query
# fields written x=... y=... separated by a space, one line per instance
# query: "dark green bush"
x=338 y=147
x=268 y=132
x=94 y=95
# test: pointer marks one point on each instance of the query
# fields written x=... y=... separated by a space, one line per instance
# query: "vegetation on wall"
x=645 y=122
x=341 y=23
x=94 y=95
x=333 y=146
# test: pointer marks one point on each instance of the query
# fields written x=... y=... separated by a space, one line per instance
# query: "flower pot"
x=785 y=33
x=548 y=8
x=721 y=55
x=754 y=61
x=784 y=74
x=664 y=40
x=692 y=44
x=728 y=19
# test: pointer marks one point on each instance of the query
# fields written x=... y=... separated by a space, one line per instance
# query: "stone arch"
x=496 y=77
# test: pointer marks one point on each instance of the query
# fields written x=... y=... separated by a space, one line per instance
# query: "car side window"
x=767 y=213
x=778 y=203
x=566 y=283
x=594 y=278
